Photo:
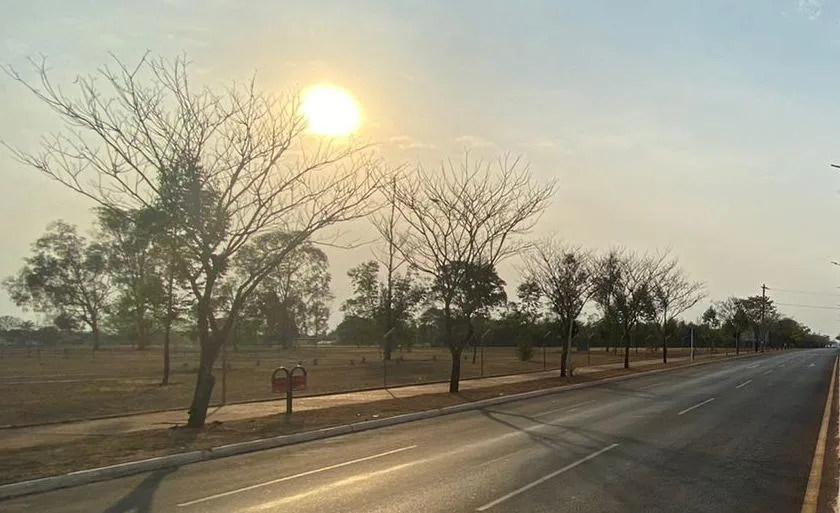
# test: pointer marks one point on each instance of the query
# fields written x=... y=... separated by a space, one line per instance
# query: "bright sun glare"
x=330 y=110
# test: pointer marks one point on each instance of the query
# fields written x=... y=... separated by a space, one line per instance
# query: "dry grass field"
x=55 y=384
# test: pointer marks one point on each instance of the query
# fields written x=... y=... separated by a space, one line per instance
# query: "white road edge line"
x=545 y=478
x=753 y=366
x=564 y=408
x=648 y=387
x=837 y=499
x=295 y=476
x=812 y=491
x=745 y=383
x=707 y=401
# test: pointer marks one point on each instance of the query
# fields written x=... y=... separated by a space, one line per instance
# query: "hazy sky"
x=705 y=127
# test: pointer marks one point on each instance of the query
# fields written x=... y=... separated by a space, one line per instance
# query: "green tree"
x=386 y=305
x=10 y=322
x=218 y=163
x=521 y=320
x=788 y=332
x=292 y=298
x=760 y=312
x=64 y=278
x=623 y=285
x=466 y=289
x=357 y=331
x=710 y=318
x=364 y=303
x=135 y=266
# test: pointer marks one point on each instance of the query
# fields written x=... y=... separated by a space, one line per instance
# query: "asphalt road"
x=733 y=436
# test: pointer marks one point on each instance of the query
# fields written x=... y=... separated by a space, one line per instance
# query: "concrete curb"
x=82 y=477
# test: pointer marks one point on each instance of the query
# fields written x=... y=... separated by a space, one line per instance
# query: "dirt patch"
x=97 y=451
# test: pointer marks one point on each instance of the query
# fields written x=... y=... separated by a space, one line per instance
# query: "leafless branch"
x=143 y=136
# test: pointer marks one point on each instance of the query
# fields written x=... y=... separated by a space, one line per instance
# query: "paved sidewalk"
x=58 y=433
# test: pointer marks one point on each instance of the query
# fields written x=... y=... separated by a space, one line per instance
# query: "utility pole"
x=763 y=303
x=691 y=353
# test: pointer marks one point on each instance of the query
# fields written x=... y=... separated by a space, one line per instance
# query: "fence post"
x=384 y=361
x=482 y=342
x=547 y=334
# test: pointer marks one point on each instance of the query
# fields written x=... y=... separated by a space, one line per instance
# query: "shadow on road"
x=140 y=499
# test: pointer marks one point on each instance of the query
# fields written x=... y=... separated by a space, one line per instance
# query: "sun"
x=330 y=110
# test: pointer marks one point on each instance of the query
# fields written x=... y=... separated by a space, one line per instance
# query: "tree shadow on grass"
x=140 y=499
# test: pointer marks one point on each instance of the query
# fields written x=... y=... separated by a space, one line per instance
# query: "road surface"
x=732 y=436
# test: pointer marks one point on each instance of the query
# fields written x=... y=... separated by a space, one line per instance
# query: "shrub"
x=524 y=349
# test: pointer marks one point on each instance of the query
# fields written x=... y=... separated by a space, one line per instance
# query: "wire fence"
x=41 y=384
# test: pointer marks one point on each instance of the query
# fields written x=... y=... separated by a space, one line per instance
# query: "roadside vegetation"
x=212 y=210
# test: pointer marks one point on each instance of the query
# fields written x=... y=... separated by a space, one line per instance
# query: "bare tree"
x=401 y=293
x=466 y=216
x=564 y=275
x=623 y=285
x=673 y=293
x=224 y=166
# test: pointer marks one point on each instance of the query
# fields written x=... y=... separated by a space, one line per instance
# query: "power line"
x=809 y=292
x=820 y=307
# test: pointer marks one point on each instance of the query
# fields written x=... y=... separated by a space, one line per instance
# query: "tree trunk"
x=167 y=326
x=665 y=334
x=210 y=342
x=142 y=329
x=204 y=383
x=387 y=348
x=455 y=374
x=737 y=344
x=567 y=347
x=94 y=330
x=166 y=334
x=455 y=377
x=201 y=398
x=475 y=351
x=627 y=351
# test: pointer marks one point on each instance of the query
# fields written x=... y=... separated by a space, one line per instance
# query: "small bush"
x=352 y=362
x=314 y=361
x=363 y=360
x=524 y=350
